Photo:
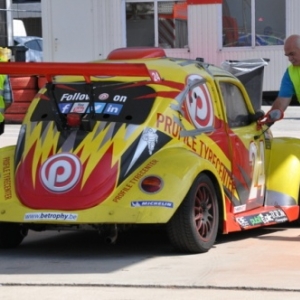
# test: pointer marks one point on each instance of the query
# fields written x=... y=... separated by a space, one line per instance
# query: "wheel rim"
x=205 y=206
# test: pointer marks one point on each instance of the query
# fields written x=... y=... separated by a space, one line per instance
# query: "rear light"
x=151 y=184
x=73 y=120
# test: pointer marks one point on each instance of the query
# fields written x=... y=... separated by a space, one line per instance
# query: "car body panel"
x=122 y=206
x=91 y=145
x=284 y=159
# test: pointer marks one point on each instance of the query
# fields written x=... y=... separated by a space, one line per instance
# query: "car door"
x=246 y=150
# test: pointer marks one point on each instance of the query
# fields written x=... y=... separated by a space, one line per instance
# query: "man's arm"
x=281 y=103
x=285 y=94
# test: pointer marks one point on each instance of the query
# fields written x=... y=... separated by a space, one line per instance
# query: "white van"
x=19 y=28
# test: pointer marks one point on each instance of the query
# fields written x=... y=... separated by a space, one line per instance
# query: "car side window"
x=236 y=109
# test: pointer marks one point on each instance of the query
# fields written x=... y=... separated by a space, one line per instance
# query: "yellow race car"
x=141 y=138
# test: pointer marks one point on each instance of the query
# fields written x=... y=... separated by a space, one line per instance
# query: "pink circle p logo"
x=61 y=172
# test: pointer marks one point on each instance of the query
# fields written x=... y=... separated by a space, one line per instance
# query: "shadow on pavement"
x=86 y=252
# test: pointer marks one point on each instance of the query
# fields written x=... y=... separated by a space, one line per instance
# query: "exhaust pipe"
x=23 y=232
x=112 y=237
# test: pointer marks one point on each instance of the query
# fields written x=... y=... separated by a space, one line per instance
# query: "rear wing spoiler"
x=87 y=70
x=74 y=105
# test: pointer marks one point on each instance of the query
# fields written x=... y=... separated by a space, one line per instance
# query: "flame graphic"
x=97 y=181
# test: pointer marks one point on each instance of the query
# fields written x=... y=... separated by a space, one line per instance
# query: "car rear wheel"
x=194 y=226
x=11 y=235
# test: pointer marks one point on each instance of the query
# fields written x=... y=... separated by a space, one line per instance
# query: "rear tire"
x=11 y=235
x=194 y=227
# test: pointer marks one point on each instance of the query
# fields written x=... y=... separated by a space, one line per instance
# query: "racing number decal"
x=155 y=76
x=257 y=161
x=60 y=172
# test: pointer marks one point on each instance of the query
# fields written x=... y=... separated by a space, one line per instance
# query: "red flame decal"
x=96 y=189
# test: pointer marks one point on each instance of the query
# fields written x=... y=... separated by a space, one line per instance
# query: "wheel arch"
x=197 y=165
x=220 y=197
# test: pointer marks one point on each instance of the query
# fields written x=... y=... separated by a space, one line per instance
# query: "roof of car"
x=158 y=55
x=24 y=39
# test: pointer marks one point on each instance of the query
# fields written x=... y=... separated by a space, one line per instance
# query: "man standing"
x=290 y=83
x=5 y=94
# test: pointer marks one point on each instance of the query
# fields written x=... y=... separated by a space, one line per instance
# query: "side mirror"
x=259 y=114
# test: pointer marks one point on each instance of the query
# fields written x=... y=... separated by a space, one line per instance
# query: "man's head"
x=292 y=49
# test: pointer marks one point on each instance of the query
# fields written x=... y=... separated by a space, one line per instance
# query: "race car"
x=142 y=138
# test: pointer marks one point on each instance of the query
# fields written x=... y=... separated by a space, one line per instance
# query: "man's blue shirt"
x=286 y=88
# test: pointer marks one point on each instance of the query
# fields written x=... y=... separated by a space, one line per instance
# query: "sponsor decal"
x=239 y=208
x=65 y=107
x=151 y=138
x=134 y=180
x=167 y=125
x=51 y=216
x=6 y=178
x=155 y=75
x=268 y=138
x=119 y=98
x=61 y=172
x=103 y=96
x=198 y=104
x=113 y=109
x=79 y=108
x=273 y=216
x=74 y=97
x=142 y=203
x=99 y=107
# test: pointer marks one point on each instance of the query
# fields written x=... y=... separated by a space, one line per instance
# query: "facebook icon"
x=65 y=107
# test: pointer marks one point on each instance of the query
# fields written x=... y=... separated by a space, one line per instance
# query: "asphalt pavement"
x=262 y=264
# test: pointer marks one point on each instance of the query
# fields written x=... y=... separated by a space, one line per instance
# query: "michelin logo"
x=51 y=216
x=166 y=204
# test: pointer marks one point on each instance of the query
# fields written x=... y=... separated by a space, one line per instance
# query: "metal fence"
x=3 y=23
x=22 y=18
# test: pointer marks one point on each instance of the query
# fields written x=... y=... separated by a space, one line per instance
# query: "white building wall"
x=101 y=28
x=109 y=29
x=203 y=32
x=68 y=30
x=292 y=16
x=76 y=30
